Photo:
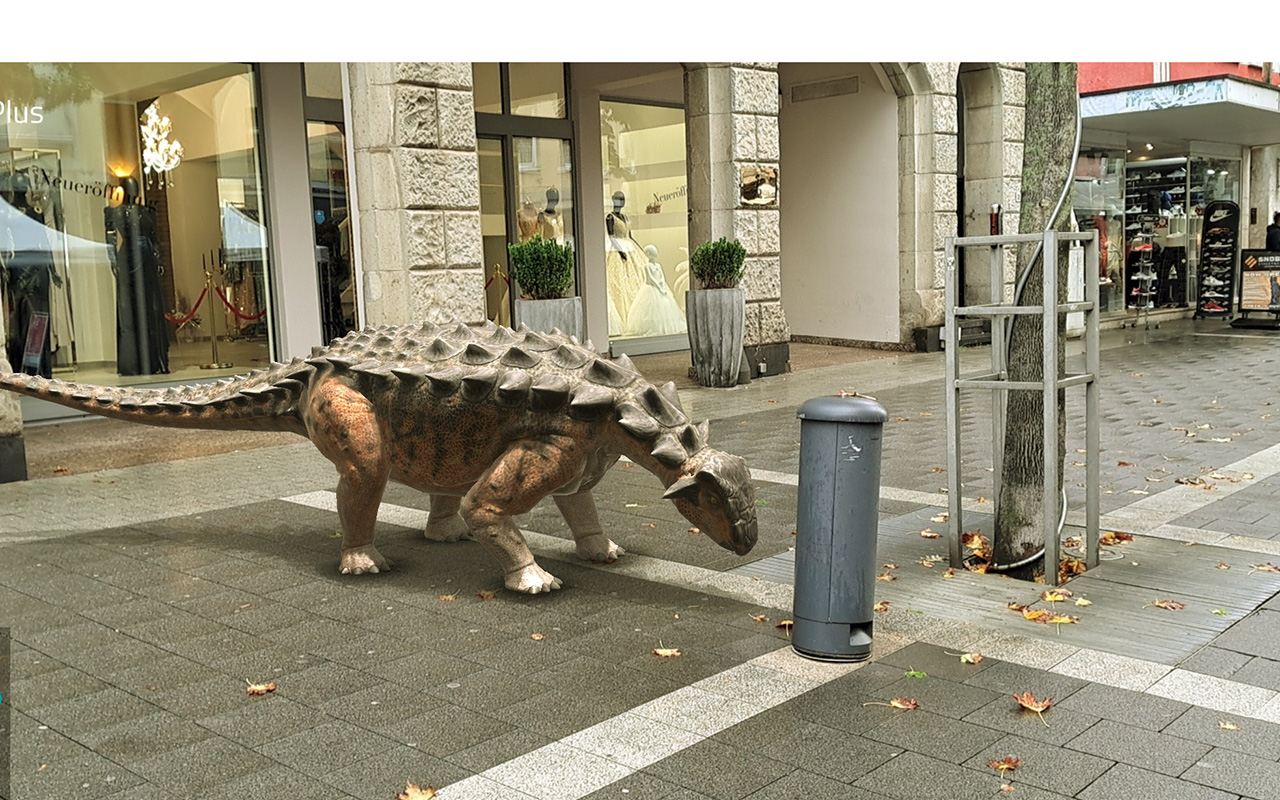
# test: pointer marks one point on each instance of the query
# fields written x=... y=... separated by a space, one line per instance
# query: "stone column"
x=13 y=452
x=418 y=192
x=732 y=122
x=1264 y=194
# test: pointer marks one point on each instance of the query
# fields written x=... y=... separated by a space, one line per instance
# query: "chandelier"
x=159 y=155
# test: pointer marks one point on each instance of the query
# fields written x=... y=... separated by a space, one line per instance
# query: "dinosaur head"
x=714 y=492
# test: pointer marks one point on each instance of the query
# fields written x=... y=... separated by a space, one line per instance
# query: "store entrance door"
x=335 y=267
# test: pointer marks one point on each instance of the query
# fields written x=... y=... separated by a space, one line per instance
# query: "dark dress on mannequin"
x=29 y=272
x=142 y=334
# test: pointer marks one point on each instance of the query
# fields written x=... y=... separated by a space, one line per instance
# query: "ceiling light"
x=1150 y=146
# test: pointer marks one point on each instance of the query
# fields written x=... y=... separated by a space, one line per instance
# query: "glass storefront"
x=647 y=217
x=133 y=244
x=1098 y=197
x=335 y=264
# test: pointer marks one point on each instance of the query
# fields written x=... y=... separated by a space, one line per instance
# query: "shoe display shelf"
x=1216 y=288
x=1141 y=284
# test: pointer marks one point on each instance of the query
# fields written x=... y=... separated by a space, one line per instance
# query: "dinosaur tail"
x=262 y=400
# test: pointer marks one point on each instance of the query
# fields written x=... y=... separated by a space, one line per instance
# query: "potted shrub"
x=543 y=270
x=716 y=311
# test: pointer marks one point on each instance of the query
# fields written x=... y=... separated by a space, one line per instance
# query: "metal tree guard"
x=997 y=380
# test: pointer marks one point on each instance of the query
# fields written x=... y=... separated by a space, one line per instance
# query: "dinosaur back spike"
x=590 y=402
x=653 y=401
x=607 y=373
x=477 y=385
x=568 y=357
x=445 y=382
x=669 y=451
x=549 y=392
x=513 y=388
x=476 y=354
x=636 y=422
x=520 y=358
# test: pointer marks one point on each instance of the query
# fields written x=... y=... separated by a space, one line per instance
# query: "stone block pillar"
x=418 y=192
x=732 y=122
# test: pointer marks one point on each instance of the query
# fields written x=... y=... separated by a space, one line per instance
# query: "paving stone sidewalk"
x=135 y=631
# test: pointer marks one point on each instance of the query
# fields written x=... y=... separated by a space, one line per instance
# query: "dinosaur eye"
x=715 y=501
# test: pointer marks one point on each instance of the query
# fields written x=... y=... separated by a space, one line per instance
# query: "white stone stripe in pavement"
x=657 y=729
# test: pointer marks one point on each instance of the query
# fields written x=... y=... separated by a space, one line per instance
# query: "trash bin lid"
x=848 y=408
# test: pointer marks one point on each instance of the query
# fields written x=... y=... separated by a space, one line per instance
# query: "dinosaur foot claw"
x=598 y=548
x=532 y=579
x=362 y=560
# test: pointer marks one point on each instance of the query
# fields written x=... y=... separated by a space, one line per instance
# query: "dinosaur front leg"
x=444 y=523
x=579 y=510
x=342 y=425
x=526 y=472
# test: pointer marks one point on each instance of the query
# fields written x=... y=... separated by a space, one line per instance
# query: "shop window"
x=537 y=90
x=646 y=222
x=1098 y=198
x=486 y=81
x=132 y=228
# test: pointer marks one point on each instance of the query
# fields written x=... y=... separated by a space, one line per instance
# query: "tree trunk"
x=1047 y=165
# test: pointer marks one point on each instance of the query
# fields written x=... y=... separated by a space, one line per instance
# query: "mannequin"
x=527 y=220
x=550 y=222
x=142 y=334
x=625 y=261
x=654 y=312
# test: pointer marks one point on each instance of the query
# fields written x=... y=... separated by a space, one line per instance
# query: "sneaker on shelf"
x=1212 y=306
x=1178 y=173
x=1134 y=210
x=1212 y=281
x=1219 y=245
x=1133 y=226
x=1177 y=190
x=1212 y=295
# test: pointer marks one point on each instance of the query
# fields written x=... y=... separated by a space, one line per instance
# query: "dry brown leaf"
x=901 y=419
x=1228 y=725
x=485 y=594
x=1169 y=605
x=648 y=525
x=447 y=598
x=1006 y=764
x=1055 y=595
x=1080 y=601
x=970 y=658
x=1113 y=538
x=537 y=637
x=61 y=470
x=928 y=534
x=1125 y=464
x=666 y=652
x=1267 y=567
x=886 y=577
x=1036 y=614
x=1006 y=788
x=1062 y=619
x=1028 y=701
x=759 y=618
x=786 y=625
x=883 y=605
x=938 y=469
x=890 y=566
x=924 y=562
x=696 y=531
x=413 y=791
x=950 y=573
x=259 y=688
x=943 y=517
x=1222 y=565
x=978 y=568
x=904 y=703
x=975 y=541
x=1016 y=607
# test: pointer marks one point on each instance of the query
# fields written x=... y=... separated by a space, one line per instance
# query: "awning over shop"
x=1226 y=109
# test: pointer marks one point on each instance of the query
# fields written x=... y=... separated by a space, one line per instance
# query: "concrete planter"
x=564 y=313
x=716 y=321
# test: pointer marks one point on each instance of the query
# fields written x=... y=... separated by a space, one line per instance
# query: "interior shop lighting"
x=159 y=154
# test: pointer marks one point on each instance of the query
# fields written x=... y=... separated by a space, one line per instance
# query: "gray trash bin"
x=836 y=527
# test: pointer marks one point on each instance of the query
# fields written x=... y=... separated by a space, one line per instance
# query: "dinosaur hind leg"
x=444 y=523
x=343 y=426
x=579 y=510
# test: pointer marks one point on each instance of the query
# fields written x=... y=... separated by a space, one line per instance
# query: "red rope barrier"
x=187 y=318
x=236 y=311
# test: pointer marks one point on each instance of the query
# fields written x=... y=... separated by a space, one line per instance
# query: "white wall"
x=839 y=178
